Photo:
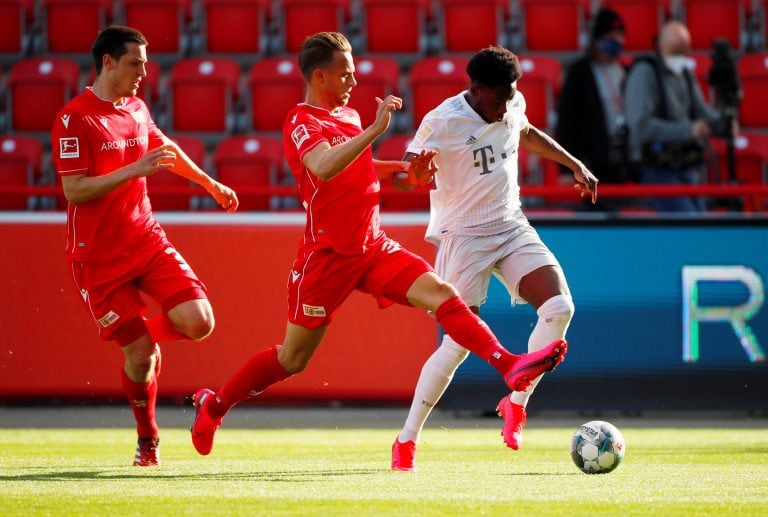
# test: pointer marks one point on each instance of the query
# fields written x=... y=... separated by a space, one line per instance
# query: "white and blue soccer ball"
x=597 y=447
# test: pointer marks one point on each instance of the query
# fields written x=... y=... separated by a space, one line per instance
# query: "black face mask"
x=611 y=47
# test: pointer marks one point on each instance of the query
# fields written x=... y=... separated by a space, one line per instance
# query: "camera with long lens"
x=724 y=80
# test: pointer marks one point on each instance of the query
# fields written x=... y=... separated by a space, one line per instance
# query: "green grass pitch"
x=346 y=472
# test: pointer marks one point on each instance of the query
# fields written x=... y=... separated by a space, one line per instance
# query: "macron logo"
x=65 y=121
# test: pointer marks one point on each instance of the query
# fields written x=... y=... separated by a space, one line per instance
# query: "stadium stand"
x=248 y=161
x=432 y=79
x=643 y=19
x=43 y=83
x=203 y=95
x=469 y=25
x=20 y=166
x=753 y=72
x=554 y=25
x=301 y=18
x=376 y=77
x=238 y=27
x=275 y=85
x=378 y=18
x=163 y=22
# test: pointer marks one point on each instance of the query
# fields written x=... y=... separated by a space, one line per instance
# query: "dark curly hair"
x=493 y=67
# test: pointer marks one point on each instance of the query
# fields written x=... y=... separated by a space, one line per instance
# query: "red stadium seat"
x=20 y=166
x=469 y=25
x=163 y=23
x=409 y=16
x=236 y=26
x=203 y=93
x=554 y=24
x=753 y=72
x=643 y=20
x=540 y=84
x=275 y=86
x=392 y=199
x=432 y=80
x=72 y=25
x=14 y=26
x=149 y=89
x=38 y=89
x=250 y=161
x=376 y=77
x=161 y=201
x=708 y=20
x=302 y=18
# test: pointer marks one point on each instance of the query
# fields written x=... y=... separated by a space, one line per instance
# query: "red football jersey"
x=343 y=212
x=92 y=136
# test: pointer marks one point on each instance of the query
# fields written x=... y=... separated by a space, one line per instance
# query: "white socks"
x=554 y=317
x=436 y=374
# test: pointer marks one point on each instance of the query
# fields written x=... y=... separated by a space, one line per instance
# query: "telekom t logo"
x=736 y=315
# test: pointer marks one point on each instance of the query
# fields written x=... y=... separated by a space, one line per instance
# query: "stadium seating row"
x=235 y=102
x=254 y=166
x=253 y=28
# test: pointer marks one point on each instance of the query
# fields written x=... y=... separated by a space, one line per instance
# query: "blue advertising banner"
x=676 y=308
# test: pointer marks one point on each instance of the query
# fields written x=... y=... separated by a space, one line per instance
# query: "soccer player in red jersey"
x=104 y=145
x=344 y=249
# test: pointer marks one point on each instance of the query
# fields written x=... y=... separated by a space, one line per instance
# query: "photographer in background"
x=590 y=119
x=668 y=120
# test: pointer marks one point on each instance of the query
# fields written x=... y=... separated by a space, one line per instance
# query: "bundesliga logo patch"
x=299 y=135
x=69 y=147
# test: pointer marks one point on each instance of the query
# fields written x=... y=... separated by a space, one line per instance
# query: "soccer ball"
x=597 y=447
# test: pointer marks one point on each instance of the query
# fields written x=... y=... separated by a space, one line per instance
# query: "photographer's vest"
x=663 y=155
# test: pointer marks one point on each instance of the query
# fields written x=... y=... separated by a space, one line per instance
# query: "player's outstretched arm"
x=80 y=188
x=186 y=168
x=534 y=140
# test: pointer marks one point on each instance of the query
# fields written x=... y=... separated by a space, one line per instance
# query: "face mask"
x=677 y=64
x=611 y=47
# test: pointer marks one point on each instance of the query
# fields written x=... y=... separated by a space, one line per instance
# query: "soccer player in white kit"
x=478 y=225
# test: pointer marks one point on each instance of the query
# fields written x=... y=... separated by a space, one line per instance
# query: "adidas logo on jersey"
x=471 y=140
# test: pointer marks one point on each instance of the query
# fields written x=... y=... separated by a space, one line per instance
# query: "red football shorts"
x=111 y=292
x=321 y=279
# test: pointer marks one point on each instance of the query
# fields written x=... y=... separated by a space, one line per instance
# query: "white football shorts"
x=467 y=262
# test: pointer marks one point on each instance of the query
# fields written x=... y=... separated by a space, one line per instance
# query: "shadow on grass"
x=144 y=473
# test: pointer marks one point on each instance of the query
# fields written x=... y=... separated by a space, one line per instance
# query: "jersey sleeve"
x=70 y=149
x=430 y=134
x=305 y=133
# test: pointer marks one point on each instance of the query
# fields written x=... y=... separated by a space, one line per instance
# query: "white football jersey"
x=477 y=191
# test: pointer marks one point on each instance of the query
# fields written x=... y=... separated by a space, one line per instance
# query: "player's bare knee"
x=199 y=327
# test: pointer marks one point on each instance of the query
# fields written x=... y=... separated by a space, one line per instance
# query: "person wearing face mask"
x=668 y=120
x=590 y=121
